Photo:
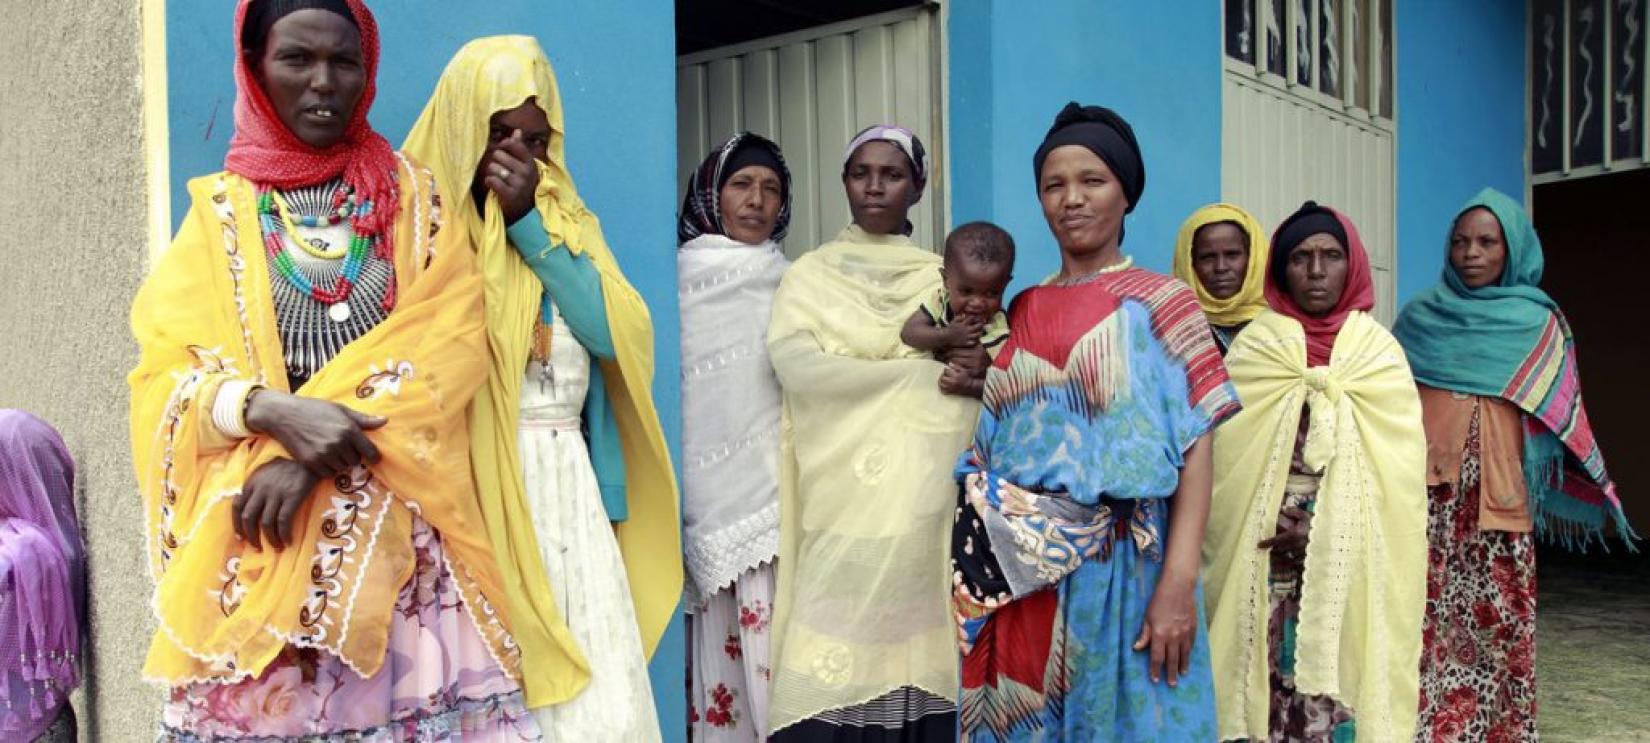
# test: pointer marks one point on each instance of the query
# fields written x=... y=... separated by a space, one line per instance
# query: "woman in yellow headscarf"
x=570 y=445
x=1222 y=254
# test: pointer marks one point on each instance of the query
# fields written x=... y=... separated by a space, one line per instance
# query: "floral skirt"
x=439 y=682
x=728 y=672
x=1478 y=637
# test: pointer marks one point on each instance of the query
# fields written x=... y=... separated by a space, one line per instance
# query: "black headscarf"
x=702 y=205
x=262 y=15
x=1105 y=134
x=750 y=152
x=1307 y=221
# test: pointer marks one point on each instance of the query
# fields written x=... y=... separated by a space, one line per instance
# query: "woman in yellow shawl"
x=1315 y=555
x=1222 y=253
x=863 y=642
x=310 y=342
x=564 y=428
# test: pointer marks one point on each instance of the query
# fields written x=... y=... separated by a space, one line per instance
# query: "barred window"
x=1337 y=53
x=1588 y=95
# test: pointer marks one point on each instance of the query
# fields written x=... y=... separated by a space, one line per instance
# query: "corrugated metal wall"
x=810 y=92
x=1278 y=150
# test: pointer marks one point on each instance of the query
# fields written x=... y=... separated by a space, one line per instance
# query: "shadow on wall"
x=1589 y=228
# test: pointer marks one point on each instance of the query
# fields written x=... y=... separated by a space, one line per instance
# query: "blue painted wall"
x=1461 y=119
x=615 y=63
x=1015 y=64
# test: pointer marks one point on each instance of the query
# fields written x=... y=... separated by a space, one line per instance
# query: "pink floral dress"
x=439 y=683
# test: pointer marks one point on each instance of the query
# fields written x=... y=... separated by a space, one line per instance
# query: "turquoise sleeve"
x=571 y=280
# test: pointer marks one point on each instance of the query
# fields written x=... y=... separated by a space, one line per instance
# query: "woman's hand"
x=327 y=438
x=513 y=176
x=954 y=380
x=1294 y=523
x=269 y=500
x=1170 y=628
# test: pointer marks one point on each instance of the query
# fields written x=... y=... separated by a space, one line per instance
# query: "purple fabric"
x=42 y=576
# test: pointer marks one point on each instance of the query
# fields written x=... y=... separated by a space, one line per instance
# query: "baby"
x=963 y=323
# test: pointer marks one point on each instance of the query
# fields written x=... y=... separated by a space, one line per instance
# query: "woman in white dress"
x=565 y=426
x=736 y=209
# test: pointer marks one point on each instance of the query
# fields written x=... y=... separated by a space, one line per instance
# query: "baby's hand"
x=963 y=332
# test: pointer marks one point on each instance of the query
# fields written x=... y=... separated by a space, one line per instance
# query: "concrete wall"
x=1461 y=119
x=1015 y=64
x=615 y=63
x=72 y=210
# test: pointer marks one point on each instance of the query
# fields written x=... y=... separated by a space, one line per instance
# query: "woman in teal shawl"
x=1510 y=455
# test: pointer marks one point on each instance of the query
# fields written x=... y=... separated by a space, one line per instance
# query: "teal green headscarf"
x=1476 y=340
x=1510 y=340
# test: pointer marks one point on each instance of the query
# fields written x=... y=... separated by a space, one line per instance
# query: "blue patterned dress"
x=1088 y=410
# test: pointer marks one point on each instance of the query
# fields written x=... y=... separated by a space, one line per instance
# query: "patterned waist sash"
x=1009 y=542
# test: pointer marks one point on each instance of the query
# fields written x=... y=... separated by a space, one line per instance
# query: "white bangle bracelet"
x=229 y=408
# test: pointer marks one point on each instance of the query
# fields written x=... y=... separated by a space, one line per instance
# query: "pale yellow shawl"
x=204 y=316
x=1364 y=586
x=866 y=486
x=497 y=74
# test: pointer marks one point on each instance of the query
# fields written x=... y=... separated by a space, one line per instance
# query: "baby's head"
x=979 y=261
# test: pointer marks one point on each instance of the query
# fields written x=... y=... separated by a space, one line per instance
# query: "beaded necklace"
x=1123 y=265
x=312 y=332
x=272 y=215
x=341 y=209
x=543 y=342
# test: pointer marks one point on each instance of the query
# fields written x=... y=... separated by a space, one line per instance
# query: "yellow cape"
x=1364 y=586
x=497 y=74
x=204 y=316
x=1251 y=299
x=866 y=491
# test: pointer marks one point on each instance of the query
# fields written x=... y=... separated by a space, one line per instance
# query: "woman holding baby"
x=863 y=642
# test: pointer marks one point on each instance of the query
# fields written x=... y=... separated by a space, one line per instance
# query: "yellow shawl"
x=204 y=316
x=1364 y=585
x=1251 y=299
x=497 y=74
x=866 y=487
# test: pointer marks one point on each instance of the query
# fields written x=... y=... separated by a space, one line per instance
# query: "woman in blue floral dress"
x=1085 y=494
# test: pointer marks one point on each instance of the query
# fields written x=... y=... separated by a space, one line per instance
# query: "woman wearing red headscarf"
x=310 y=342
x=1315 y=554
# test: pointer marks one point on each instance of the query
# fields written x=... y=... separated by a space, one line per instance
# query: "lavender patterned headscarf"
x=42 y=576
x=897 y=136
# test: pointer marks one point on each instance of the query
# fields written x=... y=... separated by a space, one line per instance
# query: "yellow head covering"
x=1251 y=299
x=487 y=76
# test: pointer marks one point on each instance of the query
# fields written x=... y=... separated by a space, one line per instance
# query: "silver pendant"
x=339 y=312
x=547 y=377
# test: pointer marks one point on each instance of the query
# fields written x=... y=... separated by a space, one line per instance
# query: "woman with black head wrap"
x=1076 y=554
x=735 y=211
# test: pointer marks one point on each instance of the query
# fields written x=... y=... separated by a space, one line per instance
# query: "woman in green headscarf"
x=1509 y=455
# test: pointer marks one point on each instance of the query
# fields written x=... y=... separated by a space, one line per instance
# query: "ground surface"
x=1593 y=646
